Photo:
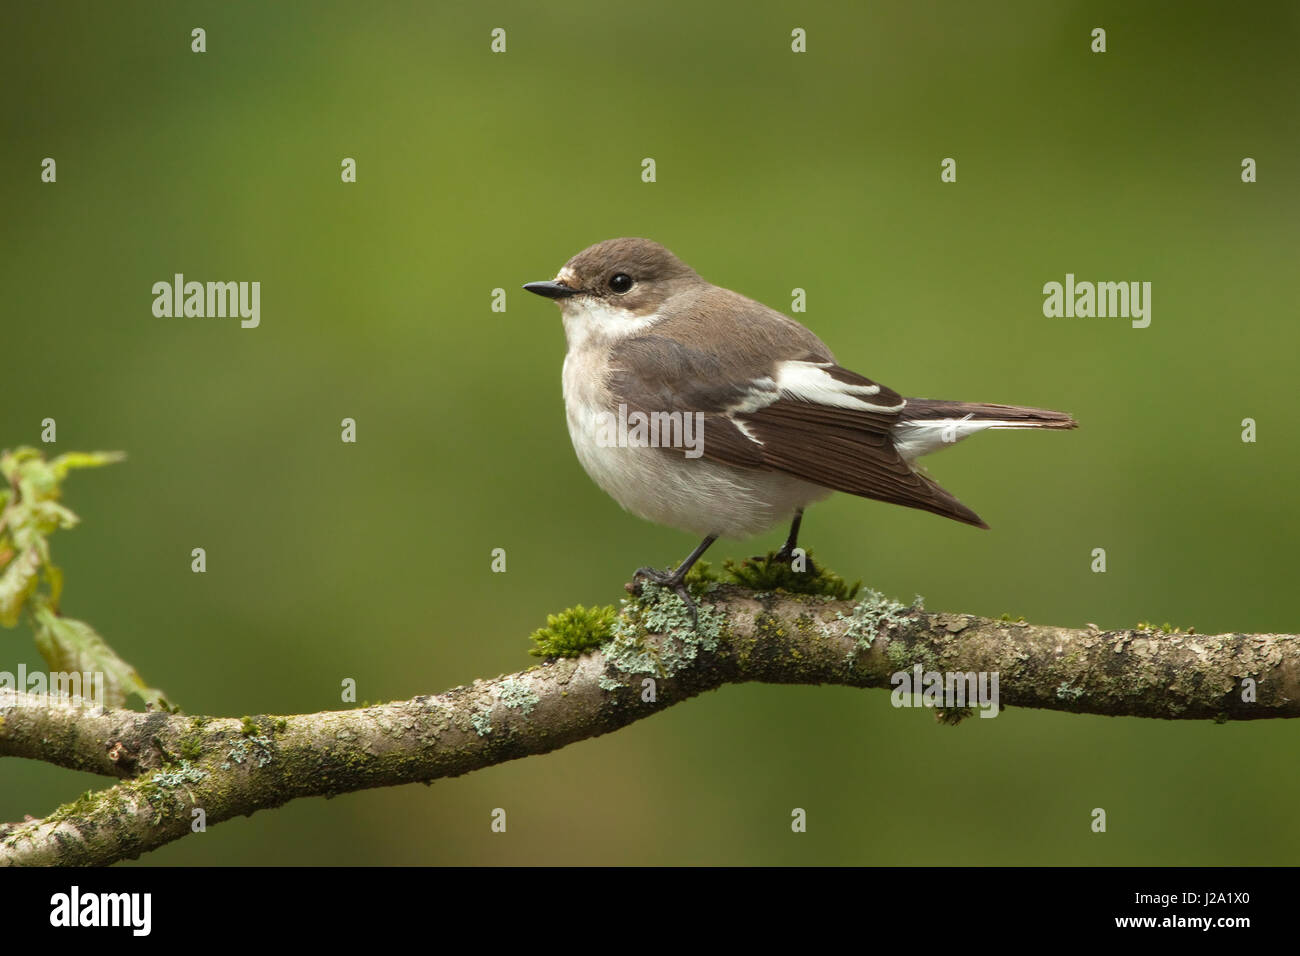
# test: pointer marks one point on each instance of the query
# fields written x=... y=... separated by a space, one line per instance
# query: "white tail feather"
x=914 y=439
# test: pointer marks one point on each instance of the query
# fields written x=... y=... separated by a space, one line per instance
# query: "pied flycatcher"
x=741 y=416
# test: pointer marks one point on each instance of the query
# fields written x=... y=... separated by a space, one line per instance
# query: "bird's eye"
x=620 y=282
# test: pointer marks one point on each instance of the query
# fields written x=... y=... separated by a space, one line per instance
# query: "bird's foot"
x=673 y=580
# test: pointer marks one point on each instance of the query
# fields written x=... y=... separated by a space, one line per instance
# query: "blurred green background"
x=479 y=170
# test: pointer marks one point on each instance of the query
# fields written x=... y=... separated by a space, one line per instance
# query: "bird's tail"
x=998 y=416
x=928 y=425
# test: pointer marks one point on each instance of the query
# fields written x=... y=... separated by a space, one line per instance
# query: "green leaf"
x=83 y=459
x=70 y=645
x=17 y=582
x=29 y=513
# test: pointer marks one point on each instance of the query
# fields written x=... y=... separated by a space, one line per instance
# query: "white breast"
x=663 y=485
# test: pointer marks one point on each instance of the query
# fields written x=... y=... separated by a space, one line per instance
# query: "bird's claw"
x=667 y=579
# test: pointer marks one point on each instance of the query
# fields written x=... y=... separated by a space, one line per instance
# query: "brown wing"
x=797 y=413
x=845 y=450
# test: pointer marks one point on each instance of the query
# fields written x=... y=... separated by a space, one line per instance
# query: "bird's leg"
x=676 y=580
x=786 y=554
x=792 y=539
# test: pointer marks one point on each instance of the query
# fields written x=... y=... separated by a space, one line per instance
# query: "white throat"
x=591 y=322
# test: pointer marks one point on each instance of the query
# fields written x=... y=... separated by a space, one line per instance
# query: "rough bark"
x=173 y=764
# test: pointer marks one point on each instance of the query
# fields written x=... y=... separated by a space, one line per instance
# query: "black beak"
x=551 y=289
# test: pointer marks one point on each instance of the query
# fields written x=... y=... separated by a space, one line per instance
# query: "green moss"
x=769 y=573
x=899 y=654
x=701 y=578
x=78 y=809
x=574 y=631
x=191 y=748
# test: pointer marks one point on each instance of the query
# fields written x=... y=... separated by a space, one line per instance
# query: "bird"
x=761 y=419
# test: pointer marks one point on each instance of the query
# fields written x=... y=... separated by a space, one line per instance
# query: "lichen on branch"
x=652 y=659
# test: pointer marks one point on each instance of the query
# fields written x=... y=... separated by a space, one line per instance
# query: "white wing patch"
x=762 y=393
x=745 y=429
x=805 y=382
x=810 y=382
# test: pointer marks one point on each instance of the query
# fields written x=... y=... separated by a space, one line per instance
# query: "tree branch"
x=176 y=765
